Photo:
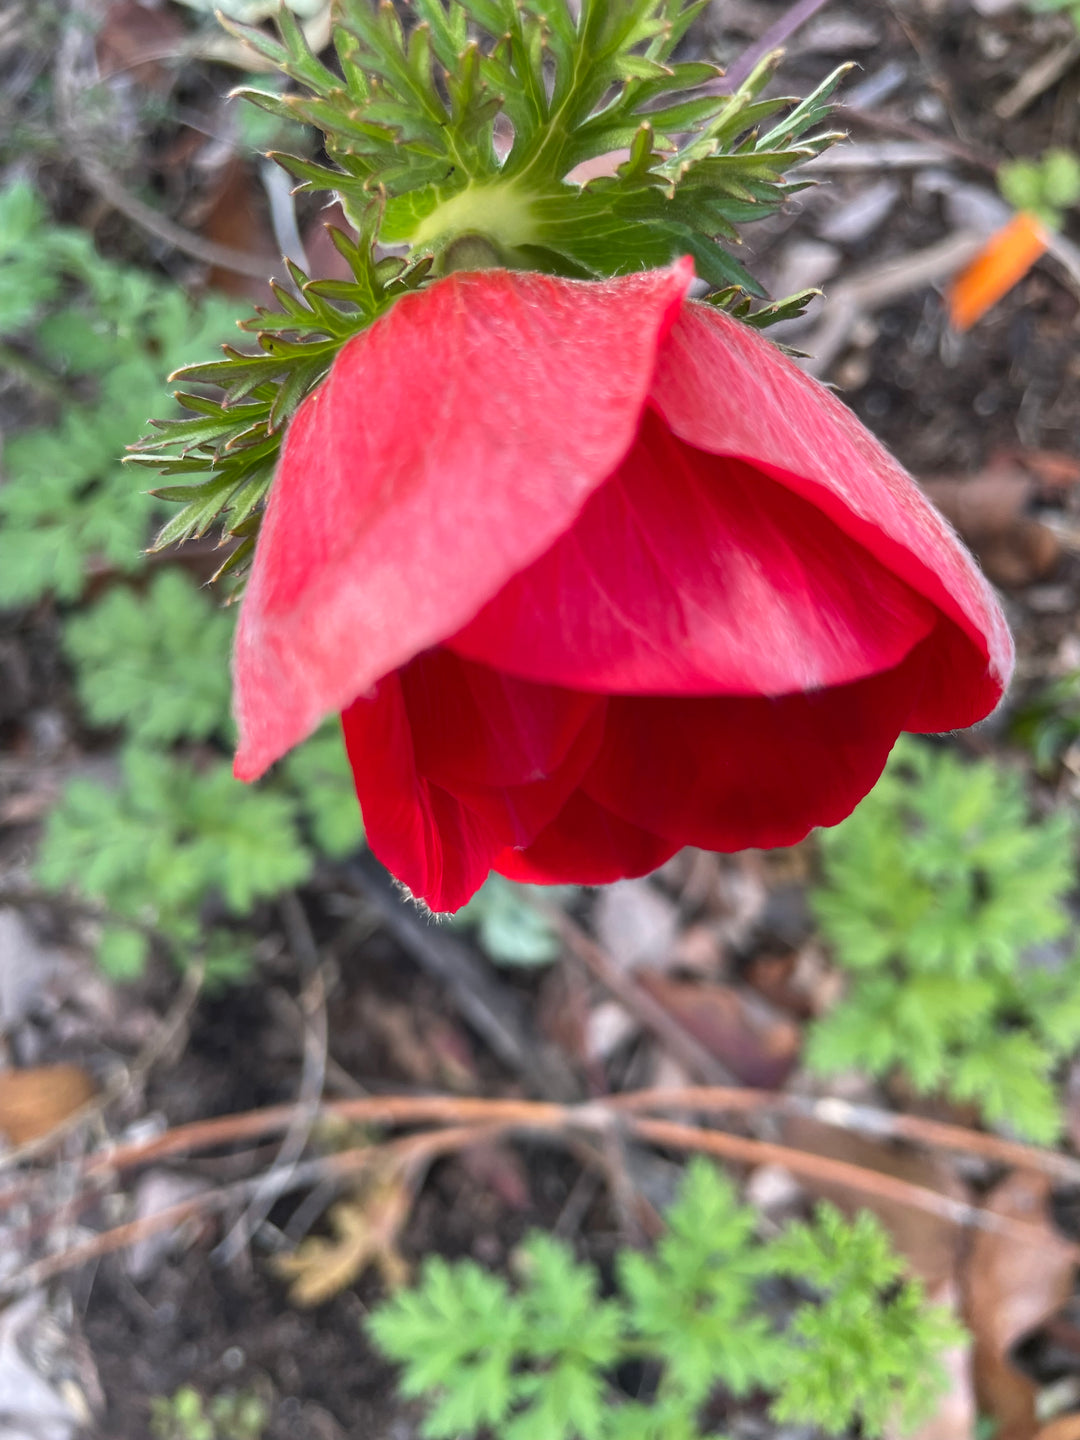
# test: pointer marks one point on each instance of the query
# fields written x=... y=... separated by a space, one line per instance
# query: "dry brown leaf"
x=1064 y=1427
x=954 y=1416
x=135 y=39
x=988 y=509
x=1012 y=1286
x=563 y=1011
x=501 y=1170
x=637 y=924
x=33 y=1102
x=758 y=1045
x=426 y=1047
x=1053 y=469
x=366 y=1229
x=236 y=215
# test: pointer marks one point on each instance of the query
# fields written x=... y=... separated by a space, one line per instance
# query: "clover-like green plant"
x=1046 y=187
x=944 y=904
x=852 y=1343
x=510 y=921
x=186 y=1415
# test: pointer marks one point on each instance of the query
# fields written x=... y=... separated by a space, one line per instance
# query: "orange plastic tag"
x=1003 y=261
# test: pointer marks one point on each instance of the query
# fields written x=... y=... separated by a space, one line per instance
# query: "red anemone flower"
x=594 y=572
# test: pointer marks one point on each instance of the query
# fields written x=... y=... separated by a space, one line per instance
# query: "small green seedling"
x=944 y=903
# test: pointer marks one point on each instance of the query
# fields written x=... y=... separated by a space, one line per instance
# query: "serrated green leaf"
x=156 y=662
x=936 y=889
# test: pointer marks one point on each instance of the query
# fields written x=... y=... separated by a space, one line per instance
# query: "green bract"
x=458 y=140
x=419 y=116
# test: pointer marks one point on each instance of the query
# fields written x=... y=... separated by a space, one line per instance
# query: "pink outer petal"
x=449 y=446
x=690 y=573
x=725 y=389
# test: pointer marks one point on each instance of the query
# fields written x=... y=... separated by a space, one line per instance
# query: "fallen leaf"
x=236 y=216
x=501 y=1170
x=1053 y=469
x=34 y=1102
x=758 y=1045
x=42 y=1392
x=772 y=975
x=134 y=39
x=155 y=1191
x=636 y=924
x=954 y=1416
x=564 y=1016
x=26 y=965
x=429 y=1049
x=366 y=1228
x=1064 y=1427
x=989 y=510
x=1012 y=1286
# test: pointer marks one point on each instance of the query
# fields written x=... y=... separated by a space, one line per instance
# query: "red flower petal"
x=789 y=426
x=454 y=763
x=741 y=771
x=450 y=445
x=689 y=573
x=586 y=845
x=438 y=847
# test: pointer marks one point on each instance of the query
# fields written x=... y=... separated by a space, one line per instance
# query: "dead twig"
x=870 y=289
x=413 y=1150
x=312 y=1078
x=774 y=38
x=684 y=1047
x=562 y=1124
x=861 y=1119
x=896 y=125
x=1037 y=79
x=392 y=1111
x=672 y=1135
x=488 y=1007
x=210 y=252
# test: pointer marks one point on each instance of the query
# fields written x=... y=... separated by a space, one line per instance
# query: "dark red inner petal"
x=473 y=725
x=441 y=849
x=454 y=763
x=689 y=573
x=460 y=770
x=739 y=771
x=586 y=845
